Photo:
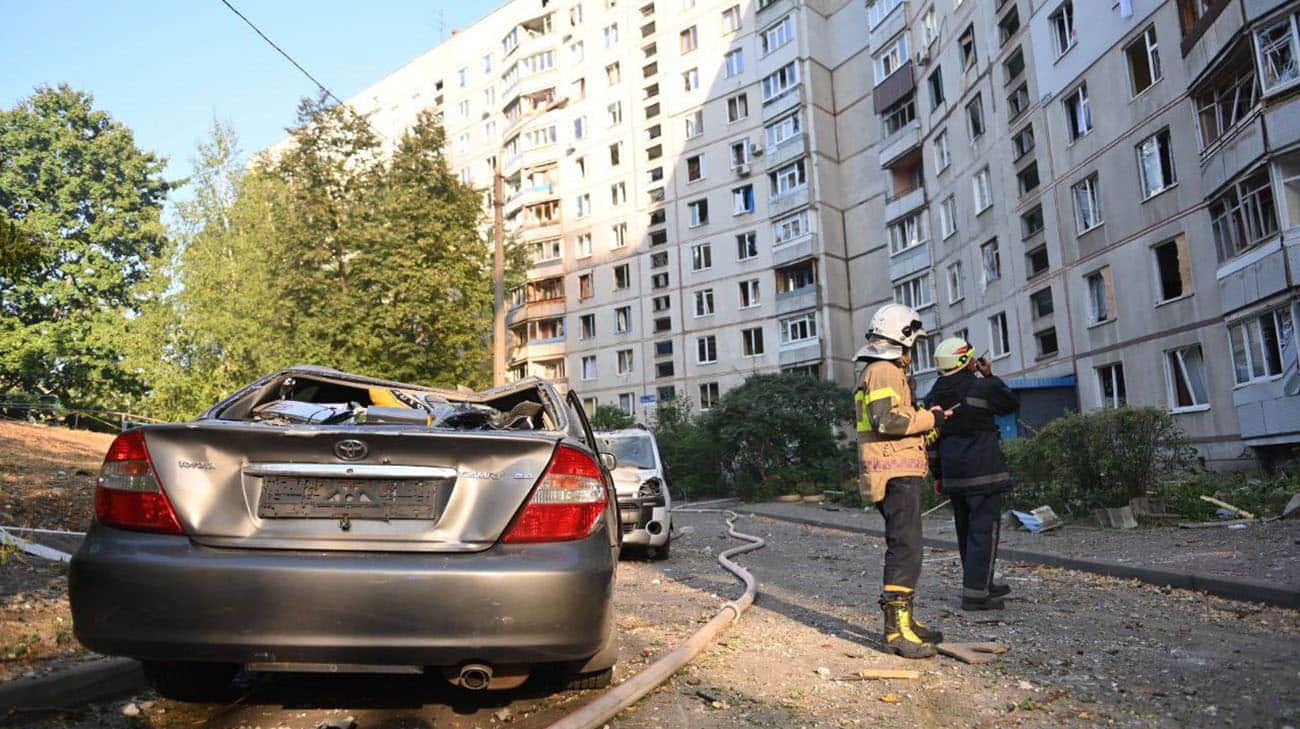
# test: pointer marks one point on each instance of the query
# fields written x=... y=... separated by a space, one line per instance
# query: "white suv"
x=643 y=500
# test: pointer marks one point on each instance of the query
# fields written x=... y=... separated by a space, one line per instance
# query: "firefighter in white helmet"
x=891 y=447
x=968 y=466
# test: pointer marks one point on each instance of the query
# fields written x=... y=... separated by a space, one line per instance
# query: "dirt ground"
x=1085 y=651
x=47 y=481
x=47 y=475
x=1269 y=552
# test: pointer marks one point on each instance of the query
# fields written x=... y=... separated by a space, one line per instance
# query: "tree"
x=213 y=323
x=80 y=208
x=334 y=249
x=608 y=417
x=782 y=432
x=688 y=450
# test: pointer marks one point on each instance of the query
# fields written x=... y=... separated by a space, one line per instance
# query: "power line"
x=281 y=51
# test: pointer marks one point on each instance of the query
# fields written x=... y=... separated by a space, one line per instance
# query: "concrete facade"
x=1080 y=196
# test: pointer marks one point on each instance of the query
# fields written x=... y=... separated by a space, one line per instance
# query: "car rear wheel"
x=586 y=681
x=191 y=681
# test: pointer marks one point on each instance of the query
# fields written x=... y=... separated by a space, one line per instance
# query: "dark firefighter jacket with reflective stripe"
x=968 y=455
x=891 y=431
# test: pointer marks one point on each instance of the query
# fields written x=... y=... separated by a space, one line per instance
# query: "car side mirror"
x=609 y=461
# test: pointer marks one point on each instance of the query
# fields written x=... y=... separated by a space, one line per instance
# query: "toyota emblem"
x=350 y=450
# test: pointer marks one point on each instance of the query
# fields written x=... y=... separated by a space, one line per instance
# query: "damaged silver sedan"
x=323 y=521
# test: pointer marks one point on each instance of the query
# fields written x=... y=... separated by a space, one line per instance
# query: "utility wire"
x=281 y=51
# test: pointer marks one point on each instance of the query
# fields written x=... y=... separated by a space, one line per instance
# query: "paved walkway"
x=1219 y=560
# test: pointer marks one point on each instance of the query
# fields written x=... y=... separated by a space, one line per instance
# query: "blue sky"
x=166 y=68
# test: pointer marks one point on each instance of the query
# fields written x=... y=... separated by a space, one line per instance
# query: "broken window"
x=1226 y=97
x=1144 y=61
x=1185 y=372
x=1110 y=382
x=1173 y=273
x=1244 y=215
x=1262 y=345
x=1276 y=44
x=1156 y=163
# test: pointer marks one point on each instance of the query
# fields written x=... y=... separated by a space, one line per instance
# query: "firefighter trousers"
x=978 y=518
x=901 y=508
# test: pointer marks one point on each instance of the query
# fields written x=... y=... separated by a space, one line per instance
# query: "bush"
x=608 y=417
x=774 y=434
x=1081 y=462
x=686 y=447
x=780 y=433
x=1261 y=494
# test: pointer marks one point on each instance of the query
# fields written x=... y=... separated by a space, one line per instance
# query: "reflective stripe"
x=899 y=588
x=881 y=394
x=977 y=402
x=864 y=418
x=956 y=483
x=895 y=464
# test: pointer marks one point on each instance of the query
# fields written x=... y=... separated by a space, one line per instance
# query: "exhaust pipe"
x=475 y=676
x=655 y=527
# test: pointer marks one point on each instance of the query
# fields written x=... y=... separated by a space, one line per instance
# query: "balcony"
x=788 y=202
x=773 y=10
x=529 y=196
x=905 y=201
x=790 y=251
x=898 y=144
x=808 y=350
x=808 y=297
x=791 y=99
x=913 y=260
x=787 y=151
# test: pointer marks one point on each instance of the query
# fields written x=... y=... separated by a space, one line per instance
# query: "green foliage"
x=773 y=434
x=1080 y=462
x=1261 y=494
x=688 y=450
x=332 y=252
x=608 y=417
x=80 y=208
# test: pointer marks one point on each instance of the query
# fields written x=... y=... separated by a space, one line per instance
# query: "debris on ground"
x=1228 y=507
x=974 y=653
x=1292 y=510
x=875 y=674
x=1041 y=519
x=1115 y=518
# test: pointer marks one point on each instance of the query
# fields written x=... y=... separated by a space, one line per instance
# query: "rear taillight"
x=566 y=504
x=129 y=494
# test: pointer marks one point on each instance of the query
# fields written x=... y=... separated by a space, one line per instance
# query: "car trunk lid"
x=346 y=487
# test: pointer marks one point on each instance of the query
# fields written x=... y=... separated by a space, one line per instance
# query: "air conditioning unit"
x=742 y=170
x=755 y=150
x=922 y=57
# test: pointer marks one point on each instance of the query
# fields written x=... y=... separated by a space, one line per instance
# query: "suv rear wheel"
x=191 y=681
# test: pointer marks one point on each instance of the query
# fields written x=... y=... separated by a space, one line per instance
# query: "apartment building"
x=712 y=188
x=1097 y=194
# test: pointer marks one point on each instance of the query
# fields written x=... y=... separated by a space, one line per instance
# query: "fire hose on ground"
x=608 y=704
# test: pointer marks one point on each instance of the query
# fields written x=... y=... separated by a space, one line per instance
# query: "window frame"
x=1171 y=389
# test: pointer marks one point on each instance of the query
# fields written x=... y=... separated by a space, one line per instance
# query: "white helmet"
x=897 y=323
x=893 y=327
x=953 y=355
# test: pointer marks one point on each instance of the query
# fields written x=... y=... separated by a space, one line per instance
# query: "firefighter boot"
x=925 y=632
x=999 y=589
x=898 y=634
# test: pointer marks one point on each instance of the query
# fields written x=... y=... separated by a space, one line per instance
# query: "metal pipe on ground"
x=608 y=704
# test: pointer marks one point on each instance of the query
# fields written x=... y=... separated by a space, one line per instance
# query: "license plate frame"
x=313 y=497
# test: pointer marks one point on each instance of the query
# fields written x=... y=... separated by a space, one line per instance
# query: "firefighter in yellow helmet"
x=968 y=465
x=891 y=447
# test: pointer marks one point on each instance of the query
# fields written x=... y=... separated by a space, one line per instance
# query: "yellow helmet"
x=952 y=355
